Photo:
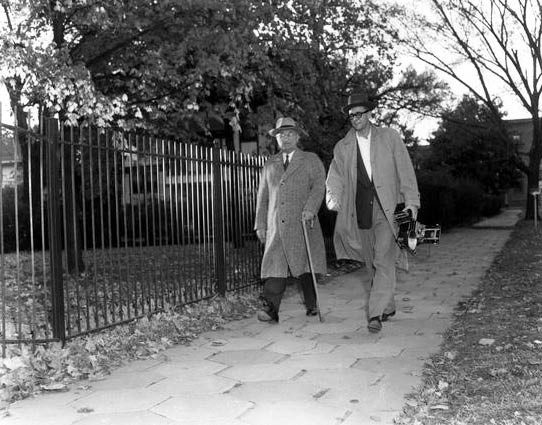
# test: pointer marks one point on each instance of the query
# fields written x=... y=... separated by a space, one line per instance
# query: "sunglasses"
x=357 y=115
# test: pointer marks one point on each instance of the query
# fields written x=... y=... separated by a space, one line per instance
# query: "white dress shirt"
x=364 y=144
x=287 y=155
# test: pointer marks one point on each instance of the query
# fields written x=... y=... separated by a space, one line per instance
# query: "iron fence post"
x=218 y=224
x=55 y=230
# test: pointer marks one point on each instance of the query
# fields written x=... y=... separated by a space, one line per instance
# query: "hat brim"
x=273 y=132
x=369 y=105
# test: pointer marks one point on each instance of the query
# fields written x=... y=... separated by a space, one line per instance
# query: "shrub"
x=453 y=202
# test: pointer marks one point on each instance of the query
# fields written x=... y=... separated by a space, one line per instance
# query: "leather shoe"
x=375 y=325
x=312 y=311
x=386 y=316
x=267 y=314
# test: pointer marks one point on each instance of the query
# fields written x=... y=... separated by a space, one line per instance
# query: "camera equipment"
x=411 y=232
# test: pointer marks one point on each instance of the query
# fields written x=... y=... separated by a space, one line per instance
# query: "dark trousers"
x=274 y=288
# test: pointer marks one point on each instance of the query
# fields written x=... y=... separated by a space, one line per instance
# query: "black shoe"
x=386 y=316
x=268 y=314
x=375 y=325
x=312 y=311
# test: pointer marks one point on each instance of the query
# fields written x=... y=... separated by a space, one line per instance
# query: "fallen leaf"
x=450 y=355
x=439 y=407
x=55 y=387
x=442 y=385
x=13 y=363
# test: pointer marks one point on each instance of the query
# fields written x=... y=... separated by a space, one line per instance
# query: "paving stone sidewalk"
x=299 y=371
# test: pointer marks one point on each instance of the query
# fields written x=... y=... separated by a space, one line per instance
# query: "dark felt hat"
x=359 y=99
x=285 y=123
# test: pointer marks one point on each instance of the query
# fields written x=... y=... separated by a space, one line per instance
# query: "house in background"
x=11 y=163
x=521 y=132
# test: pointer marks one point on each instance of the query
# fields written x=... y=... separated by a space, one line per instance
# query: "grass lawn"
x=489 y=368
x=119 y=284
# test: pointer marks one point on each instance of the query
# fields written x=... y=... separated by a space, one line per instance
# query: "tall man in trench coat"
x=371 y=173
x=292 y=188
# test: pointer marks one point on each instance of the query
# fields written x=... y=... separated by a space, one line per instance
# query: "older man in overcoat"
x=370 y=175
x=292 y=188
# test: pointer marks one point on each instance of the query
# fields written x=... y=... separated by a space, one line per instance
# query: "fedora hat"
x=359 y=99
x=285 y=123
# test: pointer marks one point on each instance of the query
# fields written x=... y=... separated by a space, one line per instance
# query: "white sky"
x=7 y=116
x=511 y=105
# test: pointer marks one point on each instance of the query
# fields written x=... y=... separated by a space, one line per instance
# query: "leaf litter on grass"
x=489 y=359
x=25 y=372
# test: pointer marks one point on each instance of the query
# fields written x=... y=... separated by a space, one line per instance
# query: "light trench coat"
x=393 y=177
x=282 y=197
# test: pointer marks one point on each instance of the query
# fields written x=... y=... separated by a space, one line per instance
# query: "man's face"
x=287 y=140
x=359 y=117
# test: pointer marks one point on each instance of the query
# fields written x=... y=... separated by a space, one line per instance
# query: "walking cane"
x=314 y=285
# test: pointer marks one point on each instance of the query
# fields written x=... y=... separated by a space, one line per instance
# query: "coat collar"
x=350 y=137
x=295 y=162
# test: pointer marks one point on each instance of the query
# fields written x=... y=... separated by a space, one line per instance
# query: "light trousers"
x=380 y=252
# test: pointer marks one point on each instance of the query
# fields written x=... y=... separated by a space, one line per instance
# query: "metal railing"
x=99 y=227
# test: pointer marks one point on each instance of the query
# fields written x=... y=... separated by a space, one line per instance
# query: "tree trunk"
x=31 y=160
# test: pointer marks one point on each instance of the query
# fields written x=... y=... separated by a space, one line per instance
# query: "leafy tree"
x=331 y=48
x=170 y=66
x=467 y=145
x=486 y=45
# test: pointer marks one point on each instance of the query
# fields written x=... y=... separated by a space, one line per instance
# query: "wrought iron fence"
x=98 y=227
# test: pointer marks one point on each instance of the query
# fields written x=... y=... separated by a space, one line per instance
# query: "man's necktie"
x=286 y=161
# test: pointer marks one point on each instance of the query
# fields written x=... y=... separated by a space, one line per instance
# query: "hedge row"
x=454 y=202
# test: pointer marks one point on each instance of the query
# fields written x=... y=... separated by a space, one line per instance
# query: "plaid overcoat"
x=282 y=197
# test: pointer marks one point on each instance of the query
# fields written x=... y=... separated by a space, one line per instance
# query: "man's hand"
x=334 y=205
x=413 y=211
x=308 y=216
x=261 y=234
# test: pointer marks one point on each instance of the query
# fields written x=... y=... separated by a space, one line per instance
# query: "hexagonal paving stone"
x=286 y=413
x=275 y=391
x=185 y=370
x=132 y=418
x=332 y=328
x=349 y=380
x=43 y=409
x=184 y=353
x=202 y=385
x=377 y=349
x=242 y=343
x=119 y=381
x=320 y=361
x=347 y=338
x=372 y=417
x=112 y=401
x=232 y=358
x=266 y=372
x=294 y=345
x=196 y=409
